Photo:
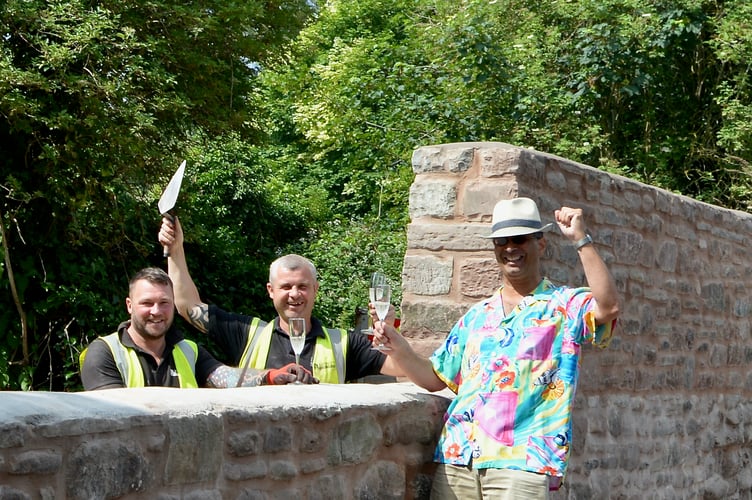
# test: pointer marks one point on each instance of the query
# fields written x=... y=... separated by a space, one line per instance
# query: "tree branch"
x=14 y=291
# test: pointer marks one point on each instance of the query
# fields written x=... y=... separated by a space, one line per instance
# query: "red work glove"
x=289 y=374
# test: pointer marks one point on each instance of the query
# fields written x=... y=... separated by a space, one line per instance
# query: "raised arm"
x=187 y=300
x=403 y=360
x=599 y=279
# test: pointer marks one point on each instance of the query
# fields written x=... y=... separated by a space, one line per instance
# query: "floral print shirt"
x=515 y=377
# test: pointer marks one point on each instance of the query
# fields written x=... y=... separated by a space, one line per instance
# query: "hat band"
x=533 y=224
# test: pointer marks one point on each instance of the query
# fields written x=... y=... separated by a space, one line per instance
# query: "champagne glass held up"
x=297 y=337
x=382 y=295
x=377 y=278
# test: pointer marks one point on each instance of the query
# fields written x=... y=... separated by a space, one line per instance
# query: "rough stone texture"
x=192 y=460
x=433 y=198
x=664 y=412
x=428 y=275
x=322 y=441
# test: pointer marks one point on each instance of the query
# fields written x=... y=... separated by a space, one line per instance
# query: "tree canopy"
x=99 y=102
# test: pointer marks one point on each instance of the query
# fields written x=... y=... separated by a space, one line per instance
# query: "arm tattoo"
x=226 y=376
x=198 y=316
x=252 y=378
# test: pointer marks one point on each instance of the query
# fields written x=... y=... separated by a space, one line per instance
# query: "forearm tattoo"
x=226 y=376
x=198 y=316
x=252 y=378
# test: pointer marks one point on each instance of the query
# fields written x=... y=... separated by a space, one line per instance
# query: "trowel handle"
x=165 y=248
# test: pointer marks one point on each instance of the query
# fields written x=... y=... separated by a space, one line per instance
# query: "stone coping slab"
x=118 y=403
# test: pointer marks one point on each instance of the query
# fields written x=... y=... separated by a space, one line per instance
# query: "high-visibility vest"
x=328 y=355
x=184 y=354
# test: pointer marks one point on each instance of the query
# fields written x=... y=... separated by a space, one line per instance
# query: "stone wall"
x=324 y=442
x=664 y=412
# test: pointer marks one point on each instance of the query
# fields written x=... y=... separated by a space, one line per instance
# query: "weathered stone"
x=244 y=443
x=156 y=443
x=383 y=481
x=714 y=487
x=356 y=441
x=414 y=428
x=556 y=180
x=479 y=277
x=11 y=435
x=421 y=487
x=8 y=493
x=252 y=495
x=328 y=487
x=426 y=316
x=281 y=470
x=450 y=237
x=498 y=159
x=246 y=471
x=479 y=198
x=106 y=468
x=190 y=459
x=426 y=275
x=311 y=466
x=435 y=198
x=35 y=462
x=445 y=158
x=278 y=438
x=311 y=441
x=203 y=495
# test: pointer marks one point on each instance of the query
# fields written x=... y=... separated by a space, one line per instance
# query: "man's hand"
x=570 y=222
x=170 y=232
x=289 y=374
x=390 y=316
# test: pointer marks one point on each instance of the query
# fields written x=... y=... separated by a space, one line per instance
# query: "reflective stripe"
x=336 y=346
x=125 y=359
x=251 y=353
x=184 y=354
x=328 y=356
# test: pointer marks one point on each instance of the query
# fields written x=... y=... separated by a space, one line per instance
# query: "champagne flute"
x=297 y=335
x=382 y=294
x=377 y=278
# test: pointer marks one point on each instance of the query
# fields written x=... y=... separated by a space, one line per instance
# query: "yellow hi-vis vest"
x=184 y=354
x=328 y=356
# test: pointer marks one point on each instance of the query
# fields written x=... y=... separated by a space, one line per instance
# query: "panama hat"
x=515 y=217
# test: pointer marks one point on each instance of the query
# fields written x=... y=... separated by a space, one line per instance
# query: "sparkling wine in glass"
x=377 y=278
x=297 y=337
x=382 y=295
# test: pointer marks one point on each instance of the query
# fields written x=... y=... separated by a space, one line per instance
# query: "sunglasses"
x=517 y=240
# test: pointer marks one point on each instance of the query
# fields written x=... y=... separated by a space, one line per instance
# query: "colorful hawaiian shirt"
x=515 y=377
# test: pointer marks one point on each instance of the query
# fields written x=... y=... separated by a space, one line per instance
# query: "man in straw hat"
x=513 y=361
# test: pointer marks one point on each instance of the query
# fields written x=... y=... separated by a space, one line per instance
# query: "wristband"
x=587 y=240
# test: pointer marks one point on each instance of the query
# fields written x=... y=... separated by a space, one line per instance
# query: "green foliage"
x=655 y=91
x=98 y=103
x=236 y=223
x=346 y=254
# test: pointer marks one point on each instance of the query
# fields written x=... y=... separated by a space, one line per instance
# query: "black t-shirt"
x=230 y=332
x=101 y=372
